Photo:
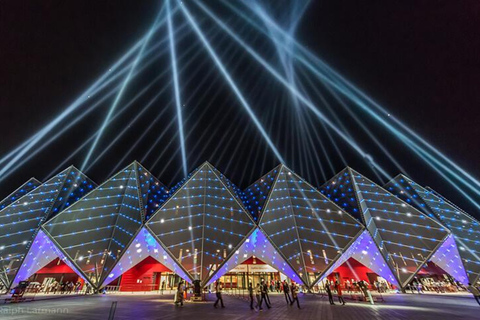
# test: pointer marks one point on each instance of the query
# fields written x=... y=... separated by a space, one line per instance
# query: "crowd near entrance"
x=254 y=271
x=55 y=277
x=351 y=275
x=432 y=278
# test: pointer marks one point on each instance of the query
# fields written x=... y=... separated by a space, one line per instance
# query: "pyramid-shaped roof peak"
x=111 y=215
x=201 y=223
x=309 y=230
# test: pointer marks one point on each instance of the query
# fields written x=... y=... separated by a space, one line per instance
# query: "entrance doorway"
x=147 y=275
x=351 y=272
x=251 y=270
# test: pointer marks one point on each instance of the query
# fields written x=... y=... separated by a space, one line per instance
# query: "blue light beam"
x=120 y=92
x=230 y=81
x=176 y=86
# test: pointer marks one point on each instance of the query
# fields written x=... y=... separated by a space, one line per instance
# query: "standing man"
x=329 y=292
x=258 y=294
x=264 y=288
x=474 y=291
x=162 y=287
x=218 y=293
x=294 y=289
x=265 y=285
x=250 y=292
x=339 y=293
x=286 y=292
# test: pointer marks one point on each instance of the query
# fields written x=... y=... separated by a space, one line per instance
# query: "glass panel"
x=95 y=230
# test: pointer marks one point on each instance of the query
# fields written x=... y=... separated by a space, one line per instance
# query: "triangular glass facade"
x=448 y=258
x=310 y=231
x=20 y=192
x=202 y=223
x=365 y=251
x=95 y=231
x=257 y=245
x=20 y=221
x=406 y=237
x=143 y=246
x=42 y=252
x=466 y=229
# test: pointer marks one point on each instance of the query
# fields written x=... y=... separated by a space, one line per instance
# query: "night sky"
x=419 y=59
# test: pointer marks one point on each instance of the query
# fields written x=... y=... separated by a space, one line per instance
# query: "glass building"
x=132 y=233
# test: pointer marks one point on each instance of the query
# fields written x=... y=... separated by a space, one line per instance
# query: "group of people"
x=260 y=293
x=54 y=287
x=355 y=286
x=331 y=286
x=63 y=287
x=434 y=286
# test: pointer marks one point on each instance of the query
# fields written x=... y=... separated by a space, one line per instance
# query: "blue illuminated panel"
x=153 y=192
x=20 y=192
x=256 y=195
x=340 y=190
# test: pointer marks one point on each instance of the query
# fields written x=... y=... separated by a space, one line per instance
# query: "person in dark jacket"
x=250 y=293
x=329 y=292
x=286 y=291
x=264 y=288
x=265 y=284
x=218 y=293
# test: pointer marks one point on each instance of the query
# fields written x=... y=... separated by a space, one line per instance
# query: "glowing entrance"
x=252 y=270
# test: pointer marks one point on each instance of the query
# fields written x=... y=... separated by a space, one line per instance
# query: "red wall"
x=59 y=271
x=346 y=272
x=55 y=267
x=144 y=271
x=250 y=261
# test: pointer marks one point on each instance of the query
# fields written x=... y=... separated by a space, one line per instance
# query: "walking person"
x=339 y=293
x=162 y=287
x=179 y=294
x=258 y=294
x=474 y=291
x=264 y=294
x=329 y=292
x=294 y=289
x=267 y=297
x=286 y=292
x=250 y=293
x=218 y=293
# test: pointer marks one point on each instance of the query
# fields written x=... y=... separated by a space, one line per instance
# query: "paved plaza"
x=149 y=306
